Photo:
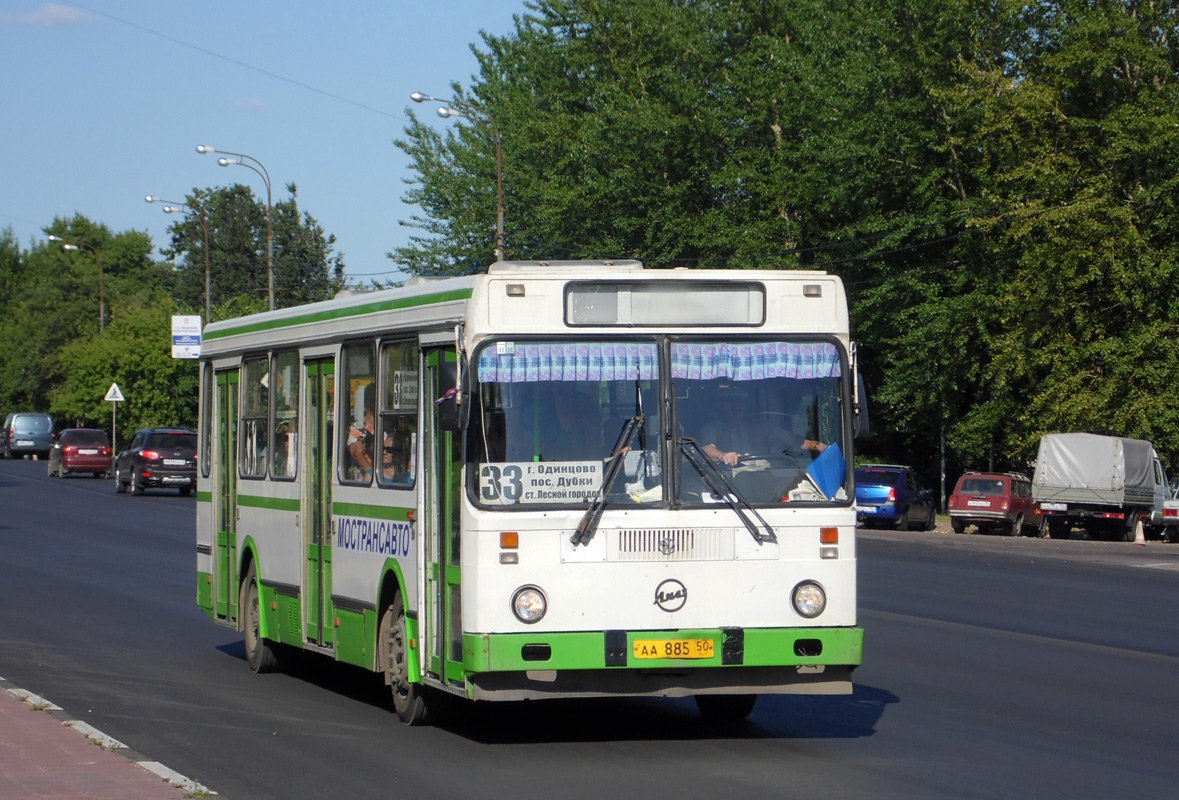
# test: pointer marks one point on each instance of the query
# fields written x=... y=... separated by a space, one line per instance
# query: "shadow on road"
x=669 y=719
x=609 y=719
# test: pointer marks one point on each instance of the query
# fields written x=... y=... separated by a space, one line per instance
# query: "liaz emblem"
x=671 y=595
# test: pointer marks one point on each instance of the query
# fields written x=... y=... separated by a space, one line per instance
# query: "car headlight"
x=529 y=604
x=809 y=599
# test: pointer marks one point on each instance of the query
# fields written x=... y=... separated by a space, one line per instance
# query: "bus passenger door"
x=443 y=479
x=317 y=500
x=225 y=576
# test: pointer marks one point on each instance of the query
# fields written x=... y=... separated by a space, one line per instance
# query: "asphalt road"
x=993 y=667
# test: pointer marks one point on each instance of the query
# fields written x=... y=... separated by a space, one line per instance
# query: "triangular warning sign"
x=114 y=394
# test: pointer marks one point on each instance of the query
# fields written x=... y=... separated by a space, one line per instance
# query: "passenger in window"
x=395 y=460
x=285 y=444
x=734 y=433
x=360 y=447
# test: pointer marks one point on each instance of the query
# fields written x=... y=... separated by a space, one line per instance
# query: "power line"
x=235 y=62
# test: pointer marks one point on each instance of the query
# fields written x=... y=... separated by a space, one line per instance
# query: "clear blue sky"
x=104 y=102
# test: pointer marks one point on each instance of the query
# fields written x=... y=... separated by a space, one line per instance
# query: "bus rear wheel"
x=261 y=655
x=409 y=699
x=725 y=707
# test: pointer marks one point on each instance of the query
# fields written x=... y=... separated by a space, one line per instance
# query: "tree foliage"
x=225 y=234
x=58 y=354
x=995 y=182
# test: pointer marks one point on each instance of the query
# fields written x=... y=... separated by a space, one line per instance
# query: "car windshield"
x=877 y=477
x=987 y=486
x=172 y=441
x=548 y=415
x=84 y=437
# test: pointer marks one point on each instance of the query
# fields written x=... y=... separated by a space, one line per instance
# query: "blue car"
x=890 y=495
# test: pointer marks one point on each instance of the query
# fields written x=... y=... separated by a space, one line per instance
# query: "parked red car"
x=1001 y=501
x=80 y=450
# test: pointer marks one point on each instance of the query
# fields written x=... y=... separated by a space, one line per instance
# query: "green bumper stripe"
x=762 y=647
x=272 y=503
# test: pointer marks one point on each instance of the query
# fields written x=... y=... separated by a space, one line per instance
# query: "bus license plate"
x=673 y=648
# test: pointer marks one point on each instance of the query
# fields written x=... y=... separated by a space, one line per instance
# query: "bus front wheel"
x=260 y=654
x=409 y=699
x=725 y=707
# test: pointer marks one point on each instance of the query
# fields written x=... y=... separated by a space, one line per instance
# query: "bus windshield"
x=766 y=415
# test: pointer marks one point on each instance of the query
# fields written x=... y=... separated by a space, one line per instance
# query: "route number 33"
x=500 y=485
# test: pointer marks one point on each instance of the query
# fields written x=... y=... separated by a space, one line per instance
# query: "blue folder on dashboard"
x=828 y=471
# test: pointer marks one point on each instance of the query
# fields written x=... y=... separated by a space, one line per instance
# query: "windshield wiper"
x=720 y=487
x=589 y=522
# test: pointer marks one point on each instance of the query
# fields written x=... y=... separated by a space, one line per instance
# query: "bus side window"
x=359 y=387
x=284 y=454
x=398 y=428
x=254 y=417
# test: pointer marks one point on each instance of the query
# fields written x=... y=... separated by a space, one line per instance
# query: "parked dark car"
x=889 y=494
x=158 y=457
x=26 y=434
x=80 y=450
x=999 y=501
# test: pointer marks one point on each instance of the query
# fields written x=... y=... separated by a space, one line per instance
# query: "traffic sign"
x=114 y=394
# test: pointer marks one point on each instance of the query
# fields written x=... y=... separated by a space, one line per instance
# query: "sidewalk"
x=47 y=755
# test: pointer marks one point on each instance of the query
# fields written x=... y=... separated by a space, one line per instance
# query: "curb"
x=100 y=739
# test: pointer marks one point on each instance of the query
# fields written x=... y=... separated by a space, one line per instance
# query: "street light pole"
x=480 y=116
x=97 y=252
x=183 y=208
x=258 y=167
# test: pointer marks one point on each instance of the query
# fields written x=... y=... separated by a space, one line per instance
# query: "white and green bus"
x=556 y=479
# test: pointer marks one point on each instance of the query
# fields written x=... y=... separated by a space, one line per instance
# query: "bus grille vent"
x=674 y=544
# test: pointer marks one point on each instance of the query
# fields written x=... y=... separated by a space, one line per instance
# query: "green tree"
x=305 y=267
x=994 y=181
x=54 y=302
x=136 y=353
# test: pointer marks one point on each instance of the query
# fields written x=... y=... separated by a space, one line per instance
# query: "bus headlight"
x=809 y=599
x=529 y=605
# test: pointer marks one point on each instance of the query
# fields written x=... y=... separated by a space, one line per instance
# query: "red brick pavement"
x=43 y=758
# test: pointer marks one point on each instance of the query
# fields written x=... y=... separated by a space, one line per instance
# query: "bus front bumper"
x=632 y=663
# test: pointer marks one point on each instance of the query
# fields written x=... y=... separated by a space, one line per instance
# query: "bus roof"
x=439 y=302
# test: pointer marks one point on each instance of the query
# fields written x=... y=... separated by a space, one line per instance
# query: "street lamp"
x=480 y=116
x=183 y=208
x=97 y=252
x=261 y=170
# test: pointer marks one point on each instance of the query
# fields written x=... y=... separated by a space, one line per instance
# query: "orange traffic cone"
x=1139 y=536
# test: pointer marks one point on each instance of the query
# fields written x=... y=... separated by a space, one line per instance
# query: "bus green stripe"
x=372 y=512
x=271 y=503
x=341 y=313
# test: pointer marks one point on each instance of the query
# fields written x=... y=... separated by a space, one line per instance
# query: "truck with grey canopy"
x=1103 y=484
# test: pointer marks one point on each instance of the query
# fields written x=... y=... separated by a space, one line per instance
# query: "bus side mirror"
x=450 y=410
x=862 y=422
